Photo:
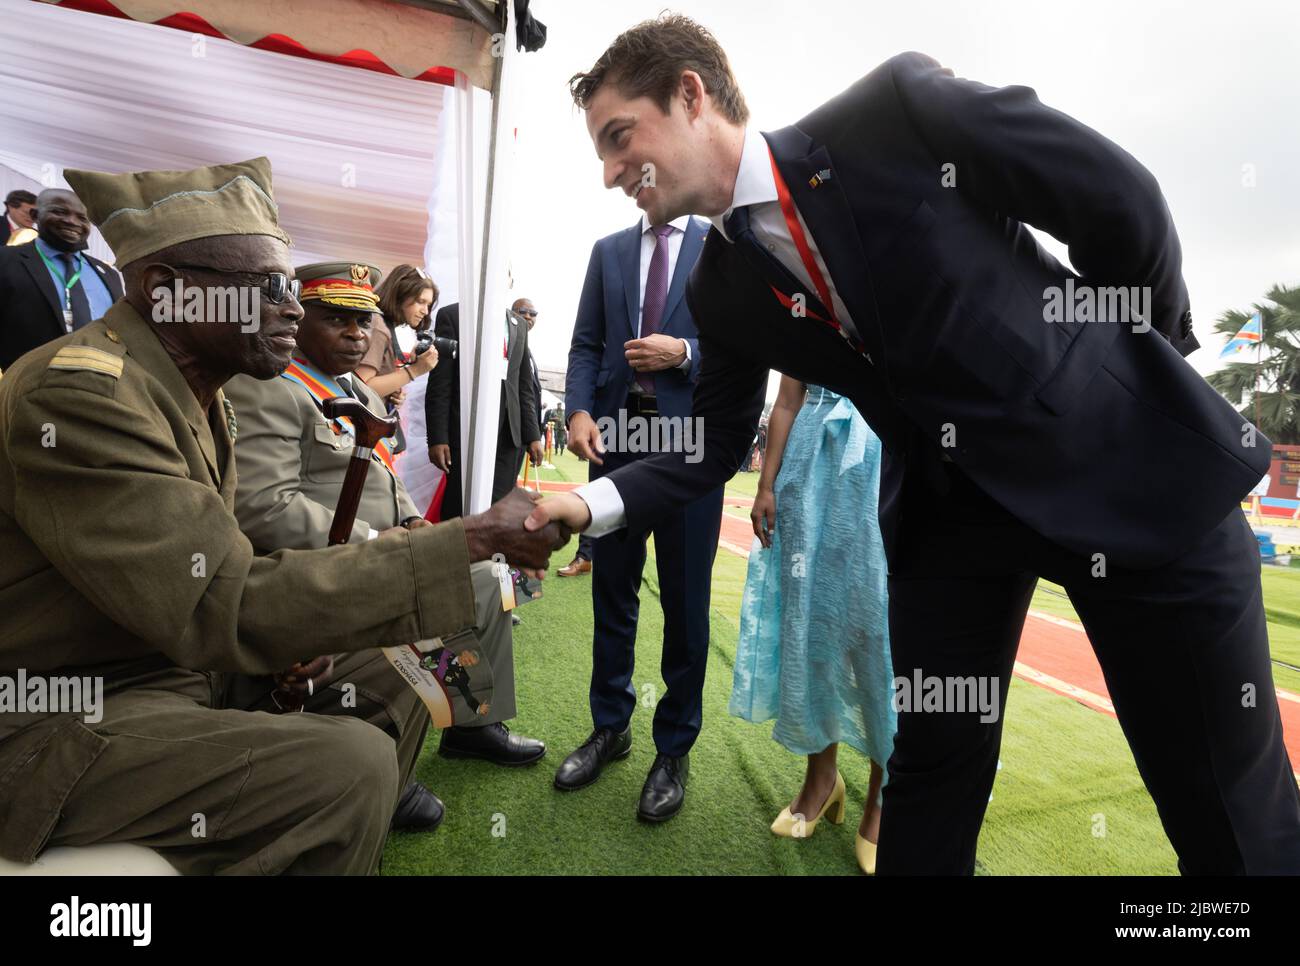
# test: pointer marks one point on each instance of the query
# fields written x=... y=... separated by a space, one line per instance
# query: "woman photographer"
x=406 y=297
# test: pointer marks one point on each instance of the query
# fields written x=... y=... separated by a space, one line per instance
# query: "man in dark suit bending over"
x=879 y=247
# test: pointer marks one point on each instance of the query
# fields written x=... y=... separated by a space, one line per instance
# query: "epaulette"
x=84 y=358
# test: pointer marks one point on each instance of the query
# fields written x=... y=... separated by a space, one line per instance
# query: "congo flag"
x=1251 y=333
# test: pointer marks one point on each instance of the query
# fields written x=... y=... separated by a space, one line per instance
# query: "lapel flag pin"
x=823 y=175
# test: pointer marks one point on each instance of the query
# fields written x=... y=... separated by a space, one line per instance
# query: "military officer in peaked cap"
x=291 y=462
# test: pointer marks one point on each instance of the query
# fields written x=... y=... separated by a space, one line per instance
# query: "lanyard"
x=67 y=283
x=801 y=242
x=809 y=262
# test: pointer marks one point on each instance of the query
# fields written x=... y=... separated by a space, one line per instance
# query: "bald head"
x=61 y=220
x=525 y=309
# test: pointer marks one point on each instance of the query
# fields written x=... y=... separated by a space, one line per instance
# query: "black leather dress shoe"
x=664 y=790
x=492 y=743
x=583 y=767
x=419 y=810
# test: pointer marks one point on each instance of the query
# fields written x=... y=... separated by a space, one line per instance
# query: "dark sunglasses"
x=279 y=287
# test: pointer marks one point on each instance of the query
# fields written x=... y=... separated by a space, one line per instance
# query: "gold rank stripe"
x=87 y=359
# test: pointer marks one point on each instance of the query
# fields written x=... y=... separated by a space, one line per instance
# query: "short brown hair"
x=648 y=60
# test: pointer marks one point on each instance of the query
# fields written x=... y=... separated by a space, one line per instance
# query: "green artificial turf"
x=1063 y=765
x=744 y=484
x=1068 y=799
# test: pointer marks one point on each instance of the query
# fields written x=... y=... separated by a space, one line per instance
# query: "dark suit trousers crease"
x=506 y=471
x=685 y=545
x=1178 y=646
x=452 y=502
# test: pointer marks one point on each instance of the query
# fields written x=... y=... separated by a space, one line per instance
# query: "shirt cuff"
x=371 y=533
x=606 y=506
x=685 y=365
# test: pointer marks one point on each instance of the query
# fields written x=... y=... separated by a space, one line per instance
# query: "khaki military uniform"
x=120 y=556
x=291 y=466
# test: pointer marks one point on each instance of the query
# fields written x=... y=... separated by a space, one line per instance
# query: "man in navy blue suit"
x=880 y=247
x=633 y=365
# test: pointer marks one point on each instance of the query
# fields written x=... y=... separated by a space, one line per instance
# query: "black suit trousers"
x=452 y=502
x=505 y=473
x=1184 y=651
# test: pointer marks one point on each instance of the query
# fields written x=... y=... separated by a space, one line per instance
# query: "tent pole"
x=475 y=486
x=481 y=17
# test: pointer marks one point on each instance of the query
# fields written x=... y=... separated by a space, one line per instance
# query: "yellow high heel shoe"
x=787 y=826
x=866 y=852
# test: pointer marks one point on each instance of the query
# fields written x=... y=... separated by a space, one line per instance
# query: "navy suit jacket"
x=599 y=376
x=1095 y=435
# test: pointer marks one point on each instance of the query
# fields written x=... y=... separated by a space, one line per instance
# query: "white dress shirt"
x=755 y=187
x=675 y=239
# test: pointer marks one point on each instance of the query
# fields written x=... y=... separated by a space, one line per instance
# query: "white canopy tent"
x=381 y=120
x=383 y=130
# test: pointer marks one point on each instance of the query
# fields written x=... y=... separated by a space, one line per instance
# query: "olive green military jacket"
x=291 y=467
x=119 y=545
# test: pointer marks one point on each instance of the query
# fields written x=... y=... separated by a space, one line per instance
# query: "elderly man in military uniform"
x=292 y=461
x=121 y=559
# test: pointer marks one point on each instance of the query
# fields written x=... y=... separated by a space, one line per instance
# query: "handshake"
x=526 y=529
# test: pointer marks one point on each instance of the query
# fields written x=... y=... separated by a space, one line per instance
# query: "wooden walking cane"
x=369 y=429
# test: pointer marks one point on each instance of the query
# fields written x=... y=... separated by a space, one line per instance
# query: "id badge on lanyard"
x=68 y=283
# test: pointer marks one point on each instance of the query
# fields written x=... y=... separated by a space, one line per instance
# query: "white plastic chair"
x=113 y=858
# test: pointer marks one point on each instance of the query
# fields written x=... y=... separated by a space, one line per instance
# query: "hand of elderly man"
x=306 y=678
x=500 y=529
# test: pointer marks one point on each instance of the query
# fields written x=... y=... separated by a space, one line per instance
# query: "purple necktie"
x=656 y=294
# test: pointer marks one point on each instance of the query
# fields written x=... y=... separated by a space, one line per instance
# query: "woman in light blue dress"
x=814 y=630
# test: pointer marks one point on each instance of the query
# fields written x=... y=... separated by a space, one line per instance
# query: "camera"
x=446 y=347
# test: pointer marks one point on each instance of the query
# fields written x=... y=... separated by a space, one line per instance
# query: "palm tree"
x=1278 y=393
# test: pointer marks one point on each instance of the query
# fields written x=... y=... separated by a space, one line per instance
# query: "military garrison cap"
x=143 y=212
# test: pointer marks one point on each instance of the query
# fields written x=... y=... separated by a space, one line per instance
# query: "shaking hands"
x=512 y=528
x=566 y=510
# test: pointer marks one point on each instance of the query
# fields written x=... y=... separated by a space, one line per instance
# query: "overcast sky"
x=1195 y=91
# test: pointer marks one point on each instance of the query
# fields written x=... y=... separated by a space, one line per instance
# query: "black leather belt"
x=640 y=404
